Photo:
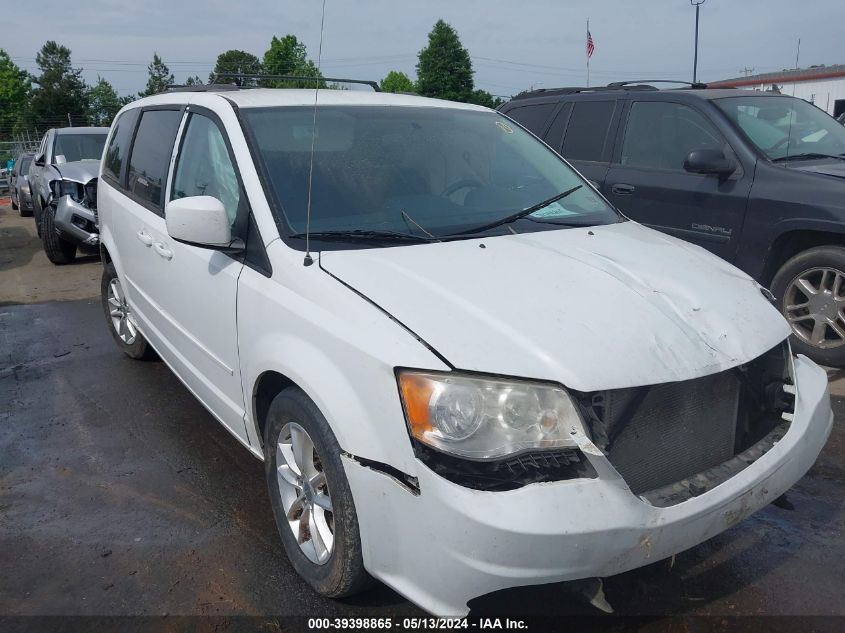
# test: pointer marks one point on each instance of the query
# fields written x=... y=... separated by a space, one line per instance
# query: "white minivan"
x=462 y=367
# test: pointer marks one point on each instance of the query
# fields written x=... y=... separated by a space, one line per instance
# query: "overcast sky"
x=513 y=44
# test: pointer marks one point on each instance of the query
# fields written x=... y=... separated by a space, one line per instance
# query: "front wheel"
x=310 y=496
x=810 y=289
x=58 y=250
x=119 y=317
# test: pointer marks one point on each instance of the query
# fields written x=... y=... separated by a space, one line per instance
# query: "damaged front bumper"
x=448 y=544
x=76 y=222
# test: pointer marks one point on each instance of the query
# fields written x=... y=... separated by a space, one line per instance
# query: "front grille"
x=677 y=430
x=678 y=440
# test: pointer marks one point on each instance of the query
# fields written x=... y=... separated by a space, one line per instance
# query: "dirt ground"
x=120 y=495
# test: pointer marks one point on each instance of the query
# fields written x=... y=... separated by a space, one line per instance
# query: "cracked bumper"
x=452 y=544
x=66 y=209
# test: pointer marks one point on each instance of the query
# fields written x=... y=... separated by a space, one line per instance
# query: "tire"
x=342 y=572
x=821 y=307
x=135 y=346
x=25 y=213
x=59 y=250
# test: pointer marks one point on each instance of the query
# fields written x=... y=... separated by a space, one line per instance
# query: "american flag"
x=590 y=46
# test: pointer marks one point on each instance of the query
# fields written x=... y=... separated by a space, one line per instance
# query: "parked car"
x=756 y=178
x=4 y=179
x=63 y=179
x=19 y=185
x=463 y=368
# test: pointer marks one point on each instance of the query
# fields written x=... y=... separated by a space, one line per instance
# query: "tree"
x=287 y=56
x=444 y=69
x=103 y=103
x=484 y=98
x=61 y=93
x=397 y=81
x=194 y=81
x=14 y=94
x=236 y=62
x=160 y=77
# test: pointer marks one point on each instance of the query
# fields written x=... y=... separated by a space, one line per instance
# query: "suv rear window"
x=587 y=130
x=533 y=117
x=119 y=145
x=150 y=157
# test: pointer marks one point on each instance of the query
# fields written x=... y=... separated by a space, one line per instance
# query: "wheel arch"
x=790 y=243
x=268 y=385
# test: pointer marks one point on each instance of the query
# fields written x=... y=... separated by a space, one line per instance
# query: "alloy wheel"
x=119 y=313
x=814 y=305
x=305 y=493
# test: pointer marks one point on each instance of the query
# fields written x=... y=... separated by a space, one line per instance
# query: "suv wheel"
x=119 y=317
x=58 y=250
x=311 y=500
x=810 y=289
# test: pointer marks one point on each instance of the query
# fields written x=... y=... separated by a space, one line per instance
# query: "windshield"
x=423 y=171
x=79 y=146
x=784 y=127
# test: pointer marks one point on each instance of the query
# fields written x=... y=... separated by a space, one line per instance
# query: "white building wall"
x=822 y=92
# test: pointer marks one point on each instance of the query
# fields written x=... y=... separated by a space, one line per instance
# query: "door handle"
x=162 y=250
x=621 y=189
x=145 y=238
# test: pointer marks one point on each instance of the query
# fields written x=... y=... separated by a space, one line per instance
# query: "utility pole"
x=747 y=71
x=697 y=4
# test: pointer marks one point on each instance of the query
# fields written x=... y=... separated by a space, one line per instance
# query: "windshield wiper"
x=521 y=214
x=365 y=234
x=807 y=155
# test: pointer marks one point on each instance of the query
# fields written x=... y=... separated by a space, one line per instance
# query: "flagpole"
x=588 y=54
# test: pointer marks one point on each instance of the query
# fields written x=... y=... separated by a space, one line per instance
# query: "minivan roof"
x=269 y=97
x=81 y=130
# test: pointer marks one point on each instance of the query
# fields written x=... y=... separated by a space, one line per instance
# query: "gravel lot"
x=120 y=495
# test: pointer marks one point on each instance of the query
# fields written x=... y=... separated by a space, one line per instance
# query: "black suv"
x=756 y=178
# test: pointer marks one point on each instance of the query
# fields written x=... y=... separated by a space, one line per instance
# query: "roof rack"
x=372 y=84
x=625 y=84
x=202 y=88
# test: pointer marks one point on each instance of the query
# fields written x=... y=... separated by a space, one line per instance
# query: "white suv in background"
x=480 y=376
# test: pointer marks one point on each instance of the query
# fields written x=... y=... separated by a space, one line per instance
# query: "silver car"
x=63 y=179
x=19 y=185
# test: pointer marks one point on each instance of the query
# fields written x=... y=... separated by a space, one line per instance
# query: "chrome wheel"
x=814 y=305
x=305 y=493
x=119 y=313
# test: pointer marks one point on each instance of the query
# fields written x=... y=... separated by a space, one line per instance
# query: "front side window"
x=24 y=165
x=150 y=157
x=587 y=131
x=204 y=167
x=660 y=135
x=119 y=144
x=401 y=168
x=785 y=127
x=73 y=147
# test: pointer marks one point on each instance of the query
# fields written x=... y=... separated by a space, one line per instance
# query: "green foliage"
x=484 y=98
x=287 y=56
x=159 y=77
x=103 y=103
x=14 y=95
x=194 y=81
x=444 y=69
x=238 y=62
x=397 y=81
x=61 y=92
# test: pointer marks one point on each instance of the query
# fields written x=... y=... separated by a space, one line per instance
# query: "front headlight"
x=25 y=187
x=70 y=188
x=486 y=418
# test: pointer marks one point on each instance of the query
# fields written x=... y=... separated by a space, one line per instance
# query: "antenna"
x=308 y=259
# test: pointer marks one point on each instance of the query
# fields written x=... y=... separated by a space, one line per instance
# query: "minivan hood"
x=594 y=308
x=836 y=169
x=79 y=171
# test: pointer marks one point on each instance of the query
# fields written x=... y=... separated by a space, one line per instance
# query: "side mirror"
x=709 y=161
x=39 y=160
x=199 y=220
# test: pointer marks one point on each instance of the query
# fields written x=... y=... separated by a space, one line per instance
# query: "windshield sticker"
x=554 y=210
x=505 y=127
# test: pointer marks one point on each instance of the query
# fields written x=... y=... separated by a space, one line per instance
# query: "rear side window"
x=150 y=157
x=119 y=145
x=587 y=130
x=554 y=137
x=533 y=117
